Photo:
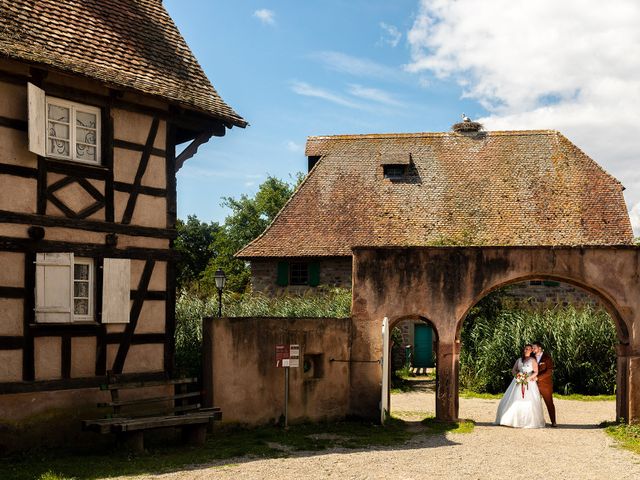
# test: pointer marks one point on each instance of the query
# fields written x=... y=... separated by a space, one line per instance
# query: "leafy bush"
x=190 y=310
x=581 y=342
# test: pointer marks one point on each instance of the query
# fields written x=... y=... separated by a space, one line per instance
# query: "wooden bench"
x=131 y=417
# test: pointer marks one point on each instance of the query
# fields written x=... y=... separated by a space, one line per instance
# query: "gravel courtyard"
x=575 y=450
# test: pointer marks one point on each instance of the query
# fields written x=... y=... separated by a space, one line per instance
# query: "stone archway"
x=443 y=283
x=393 y=322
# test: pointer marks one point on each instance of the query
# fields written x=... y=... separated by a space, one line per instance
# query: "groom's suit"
x=545 y=383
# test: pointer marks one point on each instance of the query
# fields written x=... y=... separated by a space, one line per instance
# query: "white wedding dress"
x=516 y=410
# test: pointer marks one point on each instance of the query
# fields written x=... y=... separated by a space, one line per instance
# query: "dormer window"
x=393 y=172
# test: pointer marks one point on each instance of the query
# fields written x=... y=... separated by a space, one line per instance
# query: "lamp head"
x=220 y=279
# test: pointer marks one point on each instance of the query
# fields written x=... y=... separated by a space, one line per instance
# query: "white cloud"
x=374 y=94
x=303 y=88
x=360 y=67
x=294 y=147
x=571 y=66
x=391 y=35
x=268 y=17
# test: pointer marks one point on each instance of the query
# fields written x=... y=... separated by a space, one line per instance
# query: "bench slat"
x=140 y=401
x=153 y=383
x=160 y=422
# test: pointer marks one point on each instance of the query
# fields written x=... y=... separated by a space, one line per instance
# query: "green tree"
x=193 y=244
x=250 y=216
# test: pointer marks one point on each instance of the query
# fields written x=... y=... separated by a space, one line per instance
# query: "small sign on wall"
x=288 y=356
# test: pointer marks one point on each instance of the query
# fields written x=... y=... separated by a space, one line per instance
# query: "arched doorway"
x=574 y=326
x=416 y=374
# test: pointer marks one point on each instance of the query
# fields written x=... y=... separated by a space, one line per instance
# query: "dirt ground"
x=578 y=449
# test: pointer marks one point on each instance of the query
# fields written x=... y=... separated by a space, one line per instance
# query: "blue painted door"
x=422 y=346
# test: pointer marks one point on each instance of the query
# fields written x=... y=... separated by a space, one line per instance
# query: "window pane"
x=57 y=113
x=81 y=306
x=81 y=272
x=59 y=130
x=81 y=289
x=85 y=152
x=85 y=119
x=58 y=147
x=84 y=135
x=299 y=273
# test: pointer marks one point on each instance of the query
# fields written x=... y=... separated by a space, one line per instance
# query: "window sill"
x=64 y=325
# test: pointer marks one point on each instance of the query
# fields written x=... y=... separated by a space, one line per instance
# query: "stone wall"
x=241 y=375
x=334 y=271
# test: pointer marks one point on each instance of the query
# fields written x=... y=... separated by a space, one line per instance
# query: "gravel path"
x=575 y=450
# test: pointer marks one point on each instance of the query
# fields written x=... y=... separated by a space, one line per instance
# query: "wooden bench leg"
x=132 y=441
x=194 y=434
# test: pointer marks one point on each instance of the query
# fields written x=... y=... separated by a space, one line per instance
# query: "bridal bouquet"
x=522 y=379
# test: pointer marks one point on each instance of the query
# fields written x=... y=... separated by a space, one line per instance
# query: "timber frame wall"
x=118 y=219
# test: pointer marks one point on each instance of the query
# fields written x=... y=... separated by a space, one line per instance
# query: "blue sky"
x=296 y=68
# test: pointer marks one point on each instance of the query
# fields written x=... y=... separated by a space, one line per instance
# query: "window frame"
x=297 y=265
x=73 y=107
x=90 y=317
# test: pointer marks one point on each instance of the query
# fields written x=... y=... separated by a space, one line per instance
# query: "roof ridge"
x=428 y=134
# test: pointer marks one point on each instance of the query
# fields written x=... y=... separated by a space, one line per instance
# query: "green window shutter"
x=314 y=274
x=283 y=274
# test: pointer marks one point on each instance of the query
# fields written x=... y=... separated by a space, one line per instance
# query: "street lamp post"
x=220 y=279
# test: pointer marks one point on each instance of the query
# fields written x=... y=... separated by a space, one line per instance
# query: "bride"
x=520 y=406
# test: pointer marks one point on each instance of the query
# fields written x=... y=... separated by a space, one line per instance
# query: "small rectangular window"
x=64 y=288
x=299 y=273
x=394 y=171
x=73 y=131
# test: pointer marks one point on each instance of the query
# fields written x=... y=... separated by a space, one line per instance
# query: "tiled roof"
x=496 y=188
x=127 y=43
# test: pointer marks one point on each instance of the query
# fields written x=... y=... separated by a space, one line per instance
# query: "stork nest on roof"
x=467 y=126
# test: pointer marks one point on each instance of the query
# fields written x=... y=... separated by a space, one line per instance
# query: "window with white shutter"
x=62 y=129
x=64 y=288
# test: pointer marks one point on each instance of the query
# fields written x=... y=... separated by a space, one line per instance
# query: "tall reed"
x=191 y=309
x=581 y=341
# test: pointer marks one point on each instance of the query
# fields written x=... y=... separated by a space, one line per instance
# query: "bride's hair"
x=525 y=346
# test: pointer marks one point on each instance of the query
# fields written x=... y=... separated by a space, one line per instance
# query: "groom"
x=545 y=379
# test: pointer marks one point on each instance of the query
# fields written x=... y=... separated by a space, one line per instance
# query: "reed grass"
x=581 y=341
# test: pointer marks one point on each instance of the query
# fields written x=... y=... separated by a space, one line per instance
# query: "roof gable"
x=497 y=188
x=127 y=43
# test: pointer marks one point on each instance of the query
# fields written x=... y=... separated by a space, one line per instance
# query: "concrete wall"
x=241 y=376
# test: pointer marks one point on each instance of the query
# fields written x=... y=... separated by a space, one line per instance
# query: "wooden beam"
x=93 y=225
x=29 y=316
x=142 y=168
x=77 y=170
x=18 y=171
x=13 y=292
x=65 y=362
x=150 y=295
x=14 y=123
x=192 y=149
x=129 y=188
x=136 y=147
x=11 y=342
x=73 y=383
x=136 y=308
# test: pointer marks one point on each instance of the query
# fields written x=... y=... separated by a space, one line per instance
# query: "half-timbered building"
x=94 y=98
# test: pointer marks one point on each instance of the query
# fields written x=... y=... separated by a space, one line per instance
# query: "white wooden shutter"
x=54 y=287
x=116 y=287
x=37 y=119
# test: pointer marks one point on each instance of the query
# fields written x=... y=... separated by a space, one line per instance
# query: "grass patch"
x=628 y=436
x=435 y=427
x=225 y=444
